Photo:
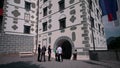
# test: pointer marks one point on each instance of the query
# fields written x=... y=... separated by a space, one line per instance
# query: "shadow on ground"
x=93 y=63
x=20 y=64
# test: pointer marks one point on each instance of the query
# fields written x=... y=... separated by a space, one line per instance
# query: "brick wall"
x=15 y=43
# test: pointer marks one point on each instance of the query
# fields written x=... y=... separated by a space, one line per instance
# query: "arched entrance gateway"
x=67 y=46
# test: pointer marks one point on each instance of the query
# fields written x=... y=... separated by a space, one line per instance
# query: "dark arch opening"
x=67 y=49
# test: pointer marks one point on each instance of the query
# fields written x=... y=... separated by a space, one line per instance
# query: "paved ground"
x=14 y=61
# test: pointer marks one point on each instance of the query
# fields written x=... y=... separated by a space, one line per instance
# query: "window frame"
x=62 y=23
x=45 y=11
x=27 y=29
x=27 y=6
x=44 y=26
x=61 y=5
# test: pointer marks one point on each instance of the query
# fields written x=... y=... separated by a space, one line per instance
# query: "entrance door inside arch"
x=67 y=49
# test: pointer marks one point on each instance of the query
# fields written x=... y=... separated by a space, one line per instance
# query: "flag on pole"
x=109 y=7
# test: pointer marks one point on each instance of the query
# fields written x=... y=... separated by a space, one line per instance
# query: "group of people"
x=41 y=53
x=58 y=53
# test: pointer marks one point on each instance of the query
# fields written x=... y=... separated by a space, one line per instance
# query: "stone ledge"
x=26 y=54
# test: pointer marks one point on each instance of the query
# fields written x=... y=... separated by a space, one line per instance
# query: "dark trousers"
x=49 y=56
x=74 y=56
x=56 y=56
x=39 y=57
x=43 y=56
x=60 y=58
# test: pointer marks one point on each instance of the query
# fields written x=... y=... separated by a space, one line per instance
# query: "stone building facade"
x=18 y=26
x=73 y=24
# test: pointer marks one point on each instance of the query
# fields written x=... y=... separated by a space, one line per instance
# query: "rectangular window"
x=62 y=23
x=44 y=1
x=61 y=5
x=27 y=6
x=98 y=13
x=92 y=22
x=45 y=26
x=99 y=27
x=90 y=4
x=45 y=11
x=26 y=29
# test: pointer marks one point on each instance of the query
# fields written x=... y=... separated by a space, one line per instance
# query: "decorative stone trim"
x=73 y=36
x=17 y=1
x=72 y=12
x=73 y=28
x=15 y=27
x=33 y=5
x=49 y=40
x=72 y=7
x=62 y=31
x=16 y=13
x=49 y=33
x=84 y=35
x=72 y=19
x=71 y=1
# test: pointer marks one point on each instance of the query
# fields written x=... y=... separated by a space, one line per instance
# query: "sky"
x=110 y=29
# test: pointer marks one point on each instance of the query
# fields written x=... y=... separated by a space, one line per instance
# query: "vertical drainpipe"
x=37 y=26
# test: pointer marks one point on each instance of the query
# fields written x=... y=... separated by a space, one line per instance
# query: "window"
x=103 y=31
x=27 y=6
x=45 y=26
x=26 y=29
x=61 y=5
x=44 y=1
x=99 y=27
x=98 y=13
x=45 y=11
x=62 y=23
x=90 y=4
x=92 y=22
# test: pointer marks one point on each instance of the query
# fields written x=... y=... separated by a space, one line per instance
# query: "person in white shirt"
x=59 y=52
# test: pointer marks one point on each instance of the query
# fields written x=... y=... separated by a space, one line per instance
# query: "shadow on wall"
x=20 y=65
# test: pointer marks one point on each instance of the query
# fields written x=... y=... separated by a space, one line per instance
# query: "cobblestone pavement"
x=14 y=61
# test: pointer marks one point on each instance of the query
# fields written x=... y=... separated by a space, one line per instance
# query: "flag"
x=1 y=11
x=103 y=7
x=109 y=7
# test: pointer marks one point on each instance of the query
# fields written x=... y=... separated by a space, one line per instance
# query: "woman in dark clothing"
x=39 y=52
x=49 y=52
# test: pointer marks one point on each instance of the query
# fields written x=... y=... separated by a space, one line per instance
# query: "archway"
x=67 y=46
x=67 y=49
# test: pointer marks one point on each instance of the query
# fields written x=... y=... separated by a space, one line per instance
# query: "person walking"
x=49 y=52
x=39 y=52
x=59 y=51
x=43 y=53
